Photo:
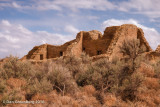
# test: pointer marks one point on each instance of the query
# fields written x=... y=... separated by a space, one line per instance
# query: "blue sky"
x=26 y=23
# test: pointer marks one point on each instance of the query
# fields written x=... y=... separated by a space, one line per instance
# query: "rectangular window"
x=41 y=57
x=61 y=53
x=84 y=48
x=99 y=52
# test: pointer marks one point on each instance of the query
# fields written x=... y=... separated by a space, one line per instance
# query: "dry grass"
x=14 y=82
x=110 y=100
x=152 y=83
x=147 y=70
x=89 y=89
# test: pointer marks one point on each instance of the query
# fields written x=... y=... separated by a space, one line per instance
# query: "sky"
x=28 y=23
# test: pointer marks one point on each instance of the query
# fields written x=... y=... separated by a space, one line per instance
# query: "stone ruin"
x=158 y=49
x=92 y=43
x=153 y=56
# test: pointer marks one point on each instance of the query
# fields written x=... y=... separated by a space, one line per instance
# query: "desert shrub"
x=110 y=100
x=118 y=68
x=50 y=76
x=61 y=79
x=84 y=99
x=89 y=89
x=130 y=48
x=98 y=74
x=124 y=82
x=147 y=70
x=73 y=64
x=157 y=69
x=39 y=75
x=119 y=76
x=130 y=86
x=152 y=83
x=35 y=86
x=2 y=86
x=43 y=86
x=105 y=76
x=16 y=69
x=72 y=60
x=11 y=96
x=85 y=58
x=125 y=70
x=41 y=71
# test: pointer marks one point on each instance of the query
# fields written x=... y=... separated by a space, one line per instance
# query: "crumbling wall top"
x=158 y=49
x=90 y=35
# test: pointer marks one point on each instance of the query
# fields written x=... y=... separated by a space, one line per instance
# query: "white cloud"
x=150 y=8
x=60 y=4
x=6 y=23
x=71 y=29
x=3 y=50
x=17 y=40
x=16 y=5
x=152 y=36
x=23 y=30
x=45 y=5
x=85 y=4
x=56 y=39
x=115 y=22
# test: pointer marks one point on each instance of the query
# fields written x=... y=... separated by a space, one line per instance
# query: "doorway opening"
x=41 y=56
x=99 y=52
x=61 y=53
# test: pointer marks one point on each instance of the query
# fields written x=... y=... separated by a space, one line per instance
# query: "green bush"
x=50 y=76
x=130 y=49
x=127 y=90
x=73 y=64
x=16 y=69
x=129 y=79
x=98 y=74
x=61 y=79
x=35 y=86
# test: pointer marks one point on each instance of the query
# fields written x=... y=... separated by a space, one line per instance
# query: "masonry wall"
x=76 y=47
x=153 y=56
x=158 y=49
x=143 y=42
x=57 y=51
x=124 y=32
x=95 y=47
x=93 y=43
x=38 y=53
